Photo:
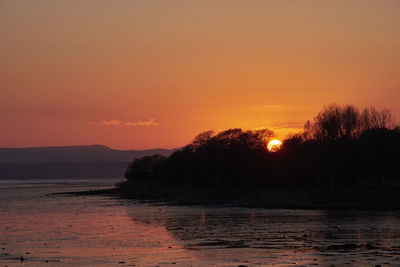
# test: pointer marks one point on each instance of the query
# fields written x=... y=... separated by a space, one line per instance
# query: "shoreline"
x=377 y=199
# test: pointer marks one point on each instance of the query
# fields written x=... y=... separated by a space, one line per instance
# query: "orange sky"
x=144 y=74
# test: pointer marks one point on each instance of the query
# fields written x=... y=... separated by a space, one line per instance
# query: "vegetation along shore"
x=344 y=158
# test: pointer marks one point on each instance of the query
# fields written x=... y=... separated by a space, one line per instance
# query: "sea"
x=41 y=228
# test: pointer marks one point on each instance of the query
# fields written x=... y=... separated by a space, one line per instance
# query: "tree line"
x=342 y=147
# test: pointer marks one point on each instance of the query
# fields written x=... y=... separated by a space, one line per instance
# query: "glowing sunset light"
x=182 y=67
x=274 y=145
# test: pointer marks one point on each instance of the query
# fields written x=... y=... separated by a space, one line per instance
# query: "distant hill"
x=95 y=161
x=76 y=154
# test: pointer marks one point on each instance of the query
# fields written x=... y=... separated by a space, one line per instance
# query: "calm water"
x=59 y=230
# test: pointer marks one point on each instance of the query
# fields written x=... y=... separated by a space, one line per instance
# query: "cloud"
x=288 y=125
x=111 y=122
x=150 y=122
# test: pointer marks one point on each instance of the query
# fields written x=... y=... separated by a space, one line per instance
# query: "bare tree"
x=327 y=124
x=371 y=118
x=350 y=120
x=335 y=122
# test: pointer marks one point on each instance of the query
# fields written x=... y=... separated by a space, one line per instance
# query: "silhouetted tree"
x=342 y=148
x=371 y=118
x=148 y=167
x=335 y=122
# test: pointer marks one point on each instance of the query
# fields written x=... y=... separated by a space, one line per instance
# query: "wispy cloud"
x=111 y=122
x=288 y=125
x=150 y=122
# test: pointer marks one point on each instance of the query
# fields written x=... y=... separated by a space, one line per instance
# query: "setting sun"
x=274 y=145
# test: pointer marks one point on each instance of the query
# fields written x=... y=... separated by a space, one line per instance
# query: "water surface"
x=61 y=230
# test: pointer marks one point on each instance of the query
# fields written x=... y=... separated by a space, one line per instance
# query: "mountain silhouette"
x=74 y=154
x=93 y=161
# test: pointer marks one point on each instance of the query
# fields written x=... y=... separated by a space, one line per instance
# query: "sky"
x=146 y=74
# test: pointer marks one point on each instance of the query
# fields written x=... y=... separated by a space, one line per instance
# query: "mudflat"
x=39 y=227
x=362 y=199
